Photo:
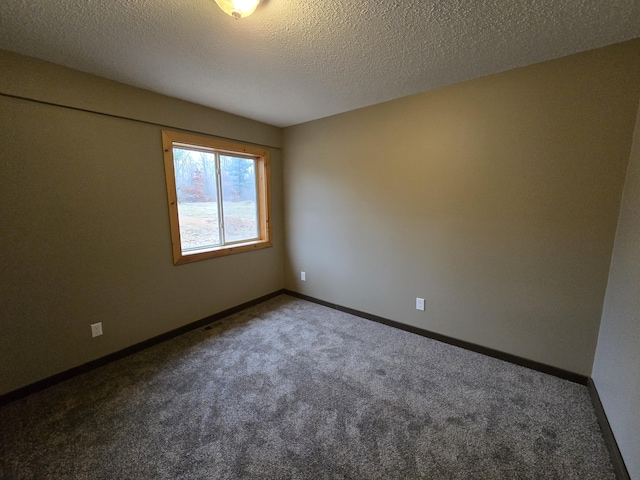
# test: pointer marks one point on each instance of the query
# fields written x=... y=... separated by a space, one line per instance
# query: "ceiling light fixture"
x=238 y=8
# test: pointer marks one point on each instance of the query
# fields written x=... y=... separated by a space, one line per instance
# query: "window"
x=218 y=193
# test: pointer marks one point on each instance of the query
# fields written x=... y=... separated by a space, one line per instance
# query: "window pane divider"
x=221 y=229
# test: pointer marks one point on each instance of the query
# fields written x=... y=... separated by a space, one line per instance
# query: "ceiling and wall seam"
x=138 y=120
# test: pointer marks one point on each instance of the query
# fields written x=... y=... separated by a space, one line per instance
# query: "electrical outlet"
x=420 y=303
x=96 y=329
x=303 y=276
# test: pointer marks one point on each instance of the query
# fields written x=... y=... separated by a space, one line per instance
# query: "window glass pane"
x=196 y=189
x=239 y=198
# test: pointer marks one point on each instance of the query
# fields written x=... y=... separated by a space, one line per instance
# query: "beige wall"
x=85 y=229
x=616 y=369
x=30 y=78
x=495 y=199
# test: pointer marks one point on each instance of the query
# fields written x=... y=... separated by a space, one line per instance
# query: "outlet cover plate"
x=420 y=303
x=96 y=329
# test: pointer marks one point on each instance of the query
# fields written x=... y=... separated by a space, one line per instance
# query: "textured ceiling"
x=298 y=60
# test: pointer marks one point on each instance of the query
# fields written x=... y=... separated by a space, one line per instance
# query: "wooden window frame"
x=263 y=194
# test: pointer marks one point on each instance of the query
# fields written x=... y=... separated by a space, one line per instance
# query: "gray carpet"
x=291 y=389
